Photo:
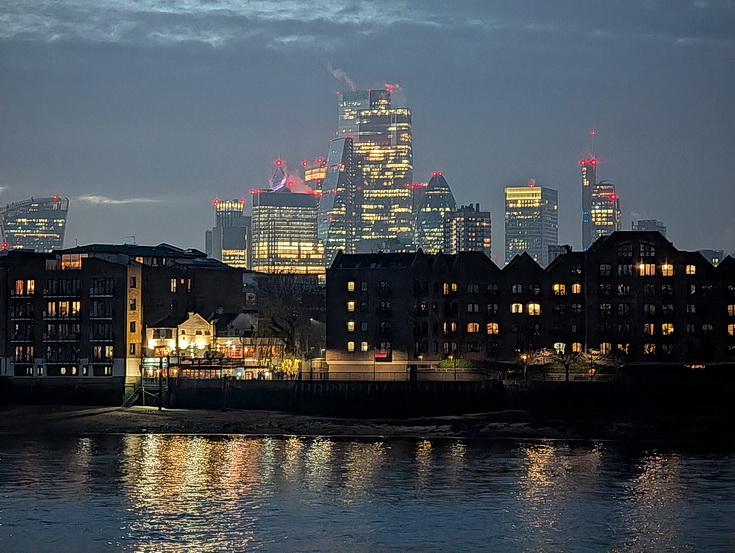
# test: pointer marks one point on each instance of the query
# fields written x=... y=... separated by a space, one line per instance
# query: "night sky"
x=143 y=112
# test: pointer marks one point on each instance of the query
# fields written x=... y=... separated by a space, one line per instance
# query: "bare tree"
x=566 y=358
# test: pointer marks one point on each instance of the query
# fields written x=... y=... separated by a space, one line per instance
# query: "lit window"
x=363 y=346
x=473 y=327
x=576 y=347
x=647 y=269
x=667 y=328
x=534 y=309
x=731 y=330
x=493 y=328
x=691 y=269
x=350 y=306
x=576 y=288
x=132 y=349
x=350 y=346
x=350 y=326
x=649 y=328
x=731 y=310
x=559 y=347
x=516 y=308
x=649 y=349
x=173 y=285
x=560 y=290
x=667 y=270
x=605 y=348
x=350 y=285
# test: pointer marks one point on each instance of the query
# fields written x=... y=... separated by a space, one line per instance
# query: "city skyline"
x=138 y=122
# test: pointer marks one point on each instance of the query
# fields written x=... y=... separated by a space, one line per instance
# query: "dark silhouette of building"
x=632 y=295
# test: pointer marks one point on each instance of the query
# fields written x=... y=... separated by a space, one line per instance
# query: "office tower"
x=314 y=173
x=384 y=165
x=284 y=233
x=468 y=230
x=336 y=211
x=37 y=224
x=649 y=224
x=531 y=221
x=229 y=240
x=589 y=179
x=605 y=216
x=601 y=214
x=437 y=201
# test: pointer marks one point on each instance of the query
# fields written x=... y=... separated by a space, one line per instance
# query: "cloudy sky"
x=143 y=111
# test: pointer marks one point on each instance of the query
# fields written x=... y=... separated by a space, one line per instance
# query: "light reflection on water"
x=149 y=493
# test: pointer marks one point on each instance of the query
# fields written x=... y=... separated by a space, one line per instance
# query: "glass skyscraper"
x=383 y=154
x=436 y=203
x=284 y=230
x=468 y=230
x=531 y=221
x=601 y=213
x=36 y=224
x=229 y=240
x=336 y=213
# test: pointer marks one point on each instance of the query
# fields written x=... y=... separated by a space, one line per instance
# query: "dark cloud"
x=194 y=100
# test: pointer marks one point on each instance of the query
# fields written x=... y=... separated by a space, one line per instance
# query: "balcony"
x=61 y=337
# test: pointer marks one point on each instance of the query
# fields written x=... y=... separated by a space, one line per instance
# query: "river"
x=160 y=493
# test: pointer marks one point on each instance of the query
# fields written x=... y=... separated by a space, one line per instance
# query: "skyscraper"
x=436 y=203
x=336 y=212
x=468 y=230
x=601 y=213
x=284 y=230
x=605 y=216
x=589 y=179
x=36 y=224
x=384 y=166
x=531 y=221
x=229 y=240
x=649 y=224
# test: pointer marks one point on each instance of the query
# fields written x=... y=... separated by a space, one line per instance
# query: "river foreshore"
x=660 y=428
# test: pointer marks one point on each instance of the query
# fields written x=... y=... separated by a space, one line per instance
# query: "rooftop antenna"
x=592 y=135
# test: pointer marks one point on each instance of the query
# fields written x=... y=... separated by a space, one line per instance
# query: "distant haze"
x=142 y=112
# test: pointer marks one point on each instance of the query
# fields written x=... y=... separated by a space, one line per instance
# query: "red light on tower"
x=582 y=162
x=216 y=201
x=56 y=196
x=290 y=185
x=5 y=245
x=593 y=161
x=320 y=160
x=278 y=162
x=304 y=163
x=613 y=197
x=243 y=201
x=433 y=174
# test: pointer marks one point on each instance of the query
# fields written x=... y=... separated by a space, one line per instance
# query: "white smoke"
x=104 y=200
x=341 y=75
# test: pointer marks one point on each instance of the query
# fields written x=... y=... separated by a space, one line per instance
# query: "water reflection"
x=192 y=493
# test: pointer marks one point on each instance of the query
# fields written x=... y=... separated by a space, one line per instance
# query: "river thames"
x=158 y=493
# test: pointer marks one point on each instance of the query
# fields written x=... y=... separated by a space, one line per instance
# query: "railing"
x=441 y=375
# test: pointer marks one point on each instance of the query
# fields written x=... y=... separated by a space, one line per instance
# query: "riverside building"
x=632 y=295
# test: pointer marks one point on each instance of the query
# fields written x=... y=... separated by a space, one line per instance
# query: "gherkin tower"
x=438 y=201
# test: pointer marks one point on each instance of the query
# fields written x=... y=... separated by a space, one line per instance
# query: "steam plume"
x=340 y=75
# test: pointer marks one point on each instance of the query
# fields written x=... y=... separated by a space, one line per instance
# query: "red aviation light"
x=278 y=162
x=5 y=245
x=320 y=160
x=56 y=196
x=216 y=201
x=243 y=201
x=593 y=161
x=330 y=218
x=304 y=163
x=582 y=162
x=290 y=185
x=434 y=174
x=613 y=196
x=255 y=191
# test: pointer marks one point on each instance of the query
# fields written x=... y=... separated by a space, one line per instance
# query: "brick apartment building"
x=632 y=294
